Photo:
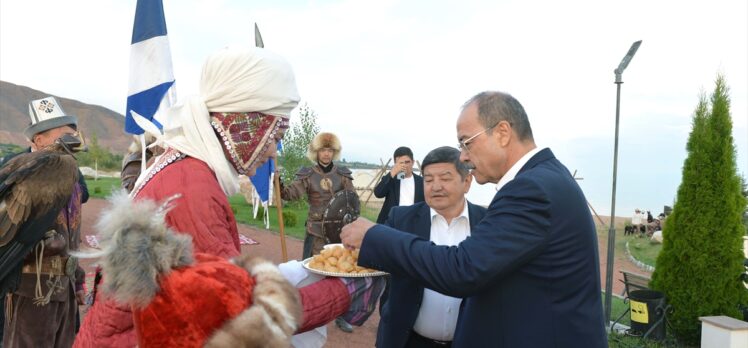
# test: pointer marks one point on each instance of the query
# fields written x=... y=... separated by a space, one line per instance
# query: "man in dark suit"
x=414 y=316
x=400 y=186
x=529 y=272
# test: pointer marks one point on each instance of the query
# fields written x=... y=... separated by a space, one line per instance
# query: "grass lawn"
x=643 y=249
x=244 y=211
x=616 y=340
x=103 y=187
x=619 y=307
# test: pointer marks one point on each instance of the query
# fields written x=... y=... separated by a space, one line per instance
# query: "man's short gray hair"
x=494 y=107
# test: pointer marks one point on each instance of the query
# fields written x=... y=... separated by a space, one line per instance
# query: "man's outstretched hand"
x=353 y=234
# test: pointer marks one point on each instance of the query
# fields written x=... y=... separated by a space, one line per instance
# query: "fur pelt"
x=137 y=247
x=321 y=141
x=273 y=317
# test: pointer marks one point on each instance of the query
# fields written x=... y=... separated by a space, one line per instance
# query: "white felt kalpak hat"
x=47 y=114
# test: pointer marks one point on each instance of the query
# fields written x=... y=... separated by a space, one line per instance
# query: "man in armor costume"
x=320 y=183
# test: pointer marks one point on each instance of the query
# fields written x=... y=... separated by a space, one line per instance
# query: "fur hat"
x=47 y=114
x=321 y=141
x=181 y=300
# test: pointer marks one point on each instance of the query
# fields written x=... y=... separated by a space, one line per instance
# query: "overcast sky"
x=387 y=73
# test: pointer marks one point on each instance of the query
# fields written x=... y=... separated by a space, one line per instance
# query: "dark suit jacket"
x=389 y=188
x=529 y=273
x=401 y=309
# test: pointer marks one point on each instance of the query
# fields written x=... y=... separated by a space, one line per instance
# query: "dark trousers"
x=385 y=293
x=51 y=325
x=2 y=318
x=312 y=245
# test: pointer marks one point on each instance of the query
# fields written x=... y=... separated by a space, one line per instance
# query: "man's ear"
x=504 y=132
x=35 y=141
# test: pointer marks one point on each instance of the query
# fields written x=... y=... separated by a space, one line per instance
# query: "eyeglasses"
x=463 y=145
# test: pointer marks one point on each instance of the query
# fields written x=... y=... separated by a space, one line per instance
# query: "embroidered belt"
x=54 y=265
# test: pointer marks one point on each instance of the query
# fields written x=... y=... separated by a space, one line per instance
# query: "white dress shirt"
x=407 y=191
x=437 y=317
x=512 y=172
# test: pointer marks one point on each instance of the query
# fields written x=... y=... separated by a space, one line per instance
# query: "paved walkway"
x=269 y=248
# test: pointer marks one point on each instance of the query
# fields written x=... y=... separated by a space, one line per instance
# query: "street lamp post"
x=612 y=229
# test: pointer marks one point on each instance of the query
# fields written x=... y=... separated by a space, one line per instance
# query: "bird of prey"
x=34 y=187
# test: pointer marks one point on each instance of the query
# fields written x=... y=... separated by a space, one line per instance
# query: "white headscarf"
x=234 y=79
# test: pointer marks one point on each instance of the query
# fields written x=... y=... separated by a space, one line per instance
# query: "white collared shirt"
x=437 y=317
x=407 y=191
x=512 y=172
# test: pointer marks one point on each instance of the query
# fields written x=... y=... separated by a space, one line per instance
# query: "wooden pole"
x=574 y=175
x=279 y=209
x=377 y=176
x=598 y=216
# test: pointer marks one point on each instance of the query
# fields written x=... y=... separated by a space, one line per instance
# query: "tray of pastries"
x=337 y=261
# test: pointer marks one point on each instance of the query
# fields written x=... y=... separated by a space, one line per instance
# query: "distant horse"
x=632 y=230
x=629 y=230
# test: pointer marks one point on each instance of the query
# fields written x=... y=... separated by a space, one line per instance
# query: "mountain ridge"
x=107 y=125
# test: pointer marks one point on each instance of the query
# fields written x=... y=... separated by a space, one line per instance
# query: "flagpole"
x=279 y=208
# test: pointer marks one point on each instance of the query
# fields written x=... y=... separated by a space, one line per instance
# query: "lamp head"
x=625 y=61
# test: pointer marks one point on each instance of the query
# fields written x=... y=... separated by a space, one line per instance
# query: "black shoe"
x=343 y=325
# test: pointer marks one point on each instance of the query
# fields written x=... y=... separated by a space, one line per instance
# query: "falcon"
x=34 y=188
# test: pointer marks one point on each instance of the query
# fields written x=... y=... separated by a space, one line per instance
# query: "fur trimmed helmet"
x=321 y=141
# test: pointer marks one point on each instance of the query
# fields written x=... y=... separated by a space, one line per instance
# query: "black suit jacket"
x=401 y=309
x=389 y=188
x=529 y=273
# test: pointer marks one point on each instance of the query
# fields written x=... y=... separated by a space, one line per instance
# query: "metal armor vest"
x=319 y=188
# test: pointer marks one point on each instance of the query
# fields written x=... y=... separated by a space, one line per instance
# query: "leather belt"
x=54 y=265
x=429 y=341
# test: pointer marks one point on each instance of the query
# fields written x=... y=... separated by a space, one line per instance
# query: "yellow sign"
x=639 y=312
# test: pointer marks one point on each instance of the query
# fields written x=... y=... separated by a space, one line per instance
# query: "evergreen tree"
x=296 y=141
x=98 y=157
x=701 y=260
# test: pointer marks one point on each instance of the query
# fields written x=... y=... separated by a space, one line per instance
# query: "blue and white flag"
x=263 y=183
x=151 y=76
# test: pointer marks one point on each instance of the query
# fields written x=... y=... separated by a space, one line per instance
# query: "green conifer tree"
x=295 y=143
x=701 y=260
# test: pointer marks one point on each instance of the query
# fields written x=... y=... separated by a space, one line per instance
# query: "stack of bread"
x=337 y=259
